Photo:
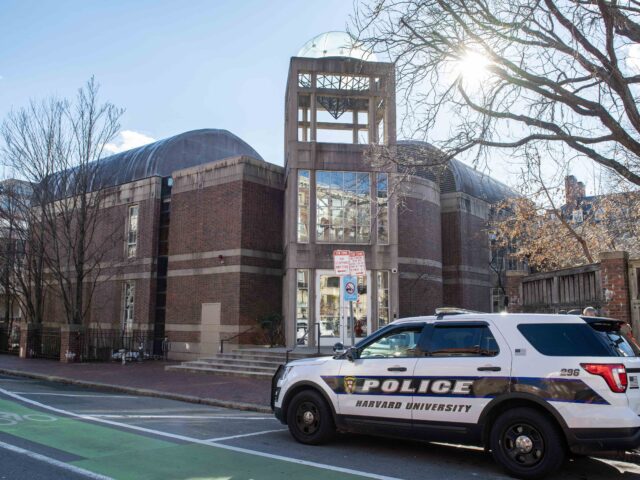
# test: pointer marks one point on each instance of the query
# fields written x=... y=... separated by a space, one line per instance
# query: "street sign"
x=350 y=288
x=341 y=262
x=357 y=264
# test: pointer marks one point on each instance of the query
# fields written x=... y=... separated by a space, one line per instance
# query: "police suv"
x=531 y=388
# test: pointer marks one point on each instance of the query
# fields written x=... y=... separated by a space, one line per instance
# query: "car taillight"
x=614 y=374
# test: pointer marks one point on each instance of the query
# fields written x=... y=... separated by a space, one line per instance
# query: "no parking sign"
x=350 y=288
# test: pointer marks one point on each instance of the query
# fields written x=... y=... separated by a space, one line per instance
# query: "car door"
x=376 y=385
x=466 y=364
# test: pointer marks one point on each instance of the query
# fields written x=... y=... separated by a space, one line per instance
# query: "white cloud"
x=126 y=140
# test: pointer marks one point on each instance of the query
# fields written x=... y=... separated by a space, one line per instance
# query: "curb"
x=250 y=407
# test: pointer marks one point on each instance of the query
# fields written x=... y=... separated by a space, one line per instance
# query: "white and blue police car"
x=530 y=388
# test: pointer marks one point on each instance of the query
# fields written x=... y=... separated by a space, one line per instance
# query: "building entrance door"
x=332 y=312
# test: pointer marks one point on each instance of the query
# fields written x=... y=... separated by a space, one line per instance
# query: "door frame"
x=344 y=337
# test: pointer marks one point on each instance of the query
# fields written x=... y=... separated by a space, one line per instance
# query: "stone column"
x=514 y=291
x=614 y=281
x=26 y=331
x=70 y=343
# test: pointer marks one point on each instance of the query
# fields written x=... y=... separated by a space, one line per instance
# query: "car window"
x=463 y=341
x=396 y=343
x=573 y=340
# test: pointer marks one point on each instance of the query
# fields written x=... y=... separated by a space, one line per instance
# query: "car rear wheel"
x=309 y=418
x=527 y=443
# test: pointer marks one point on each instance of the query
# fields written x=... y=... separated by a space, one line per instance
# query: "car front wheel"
x=527 y=443
x=309 y=418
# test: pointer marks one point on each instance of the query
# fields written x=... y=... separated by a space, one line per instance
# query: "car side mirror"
x=352 y=354
x=338 y=348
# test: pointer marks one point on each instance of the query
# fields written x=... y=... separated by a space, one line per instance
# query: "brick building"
x=213 y=237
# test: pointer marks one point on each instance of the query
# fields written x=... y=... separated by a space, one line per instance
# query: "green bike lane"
x=115 y=452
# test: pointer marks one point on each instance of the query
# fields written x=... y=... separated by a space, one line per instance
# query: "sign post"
x=350 y=294
x=349 y=265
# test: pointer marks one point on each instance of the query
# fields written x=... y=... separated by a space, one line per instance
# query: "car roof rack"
x=442 y=311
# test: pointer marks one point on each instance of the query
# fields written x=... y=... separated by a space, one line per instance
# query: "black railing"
x=10 y=339
x=303 y=341
x=228 y=339
x=108 y=345
x=44 y=342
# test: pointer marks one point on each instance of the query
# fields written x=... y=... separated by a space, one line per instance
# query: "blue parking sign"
x=350 y=288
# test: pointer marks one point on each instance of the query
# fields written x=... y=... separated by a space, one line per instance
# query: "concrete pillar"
x=70 y=343
x=26 y=331
x=514 y=291
x=614 y=281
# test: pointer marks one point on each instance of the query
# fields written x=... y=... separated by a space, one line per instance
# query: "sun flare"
x=473 y=67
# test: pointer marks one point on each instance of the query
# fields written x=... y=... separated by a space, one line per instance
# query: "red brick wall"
x=262 y=217
x=419 y=229
x=206 y=219
x=229 y=216
x=465 y=254
x=105 y=306
x=419 y=238
x=419 y=296
x=615 y=285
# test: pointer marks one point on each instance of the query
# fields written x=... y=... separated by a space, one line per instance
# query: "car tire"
x=527 y=443
x=309 y=418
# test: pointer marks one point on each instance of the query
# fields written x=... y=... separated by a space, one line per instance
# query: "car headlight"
x=286 y=372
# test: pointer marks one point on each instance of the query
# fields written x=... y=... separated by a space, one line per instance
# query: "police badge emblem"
x=350 y=384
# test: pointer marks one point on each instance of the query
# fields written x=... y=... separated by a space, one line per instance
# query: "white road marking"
x=198 y=441
x=179 y=417
x=74 y=395
x=220 y=439
x=54 y=462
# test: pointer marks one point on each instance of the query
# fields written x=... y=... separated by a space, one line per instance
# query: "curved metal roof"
x=457 y=176
x=181 y=151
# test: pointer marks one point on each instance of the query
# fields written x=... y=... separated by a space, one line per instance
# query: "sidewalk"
x=150 y=379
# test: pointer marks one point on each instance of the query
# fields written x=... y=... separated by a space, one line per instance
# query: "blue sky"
x=175 y=66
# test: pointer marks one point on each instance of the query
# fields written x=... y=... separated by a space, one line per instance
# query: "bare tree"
x=561 y=75
x=548 y=235
x=62 y=159
x=32 y=137
x=9 y=245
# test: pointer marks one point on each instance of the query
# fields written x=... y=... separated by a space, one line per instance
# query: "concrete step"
x=231 y=366
x=242 y=361
x=306 y=352
x=219 y=371
x=249 y=358
x=245 y=362
x=266 y=353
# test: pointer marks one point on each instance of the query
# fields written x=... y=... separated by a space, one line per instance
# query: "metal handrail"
x=306 y=334
x=222 y=340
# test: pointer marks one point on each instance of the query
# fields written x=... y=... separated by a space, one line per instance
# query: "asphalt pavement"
x=50 y=430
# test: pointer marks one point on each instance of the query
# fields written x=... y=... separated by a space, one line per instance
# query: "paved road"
x=55 y=431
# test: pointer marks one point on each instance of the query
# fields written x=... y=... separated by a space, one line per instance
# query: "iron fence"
x=44 y=342
x=107 y=345
x=10 y=339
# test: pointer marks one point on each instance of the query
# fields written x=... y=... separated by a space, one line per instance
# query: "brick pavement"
x=148 y=378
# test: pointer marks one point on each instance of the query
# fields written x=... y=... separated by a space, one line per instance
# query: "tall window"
x=302 y=307
x=303 y=205
x=383 y=208
x=343 y=207
x=383 y=298
x=132 y=231
x=129 y=295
